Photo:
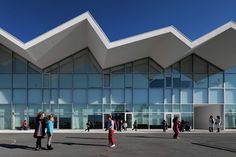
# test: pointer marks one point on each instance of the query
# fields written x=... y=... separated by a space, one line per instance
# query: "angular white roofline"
x=166 y=45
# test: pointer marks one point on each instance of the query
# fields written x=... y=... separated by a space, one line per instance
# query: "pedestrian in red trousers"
x=176 y=127
x=110 y=127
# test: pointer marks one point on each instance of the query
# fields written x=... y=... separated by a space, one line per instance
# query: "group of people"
x=120 y=125
x=214 y=123
x=40 y=123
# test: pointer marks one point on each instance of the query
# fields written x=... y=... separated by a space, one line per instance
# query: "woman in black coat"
x=39 y=132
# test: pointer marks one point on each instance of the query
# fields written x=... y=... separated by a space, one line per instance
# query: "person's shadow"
x=15 y=146
x=81 y=144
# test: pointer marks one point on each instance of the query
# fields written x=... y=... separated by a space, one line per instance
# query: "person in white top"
x=111 y=132
x=211 y=123
x=217 y=123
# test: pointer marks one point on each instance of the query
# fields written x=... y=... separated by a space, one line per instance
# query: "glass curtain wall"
x=76 y=90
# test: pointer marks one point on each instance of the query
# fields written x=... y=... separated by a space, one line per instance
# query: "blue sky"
x=26 y=19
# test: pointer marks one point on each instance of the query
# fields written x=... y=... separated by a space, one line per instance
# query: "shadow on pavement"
x=167 y=137
x=215 y=147
x=14 y=146
x=88 y=138
x=80 y=144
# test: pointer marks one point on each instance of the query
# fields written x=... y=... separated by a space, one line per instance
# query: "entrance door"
x=169 y=118
x=128 y=119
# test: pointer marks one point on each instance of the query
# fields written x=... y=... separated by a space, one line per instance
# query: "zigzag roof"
x=166 y=46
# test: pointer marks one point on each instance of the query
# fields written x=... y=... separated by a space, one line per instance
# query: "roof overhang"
x=165 y=46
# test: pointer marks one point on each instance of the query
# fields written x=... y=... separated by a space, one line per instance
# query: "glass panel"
x=19 y=96
x=80 y=96
x=118 y=108
x=47 y=108
x=176 y=80
x=117 y=96
x=213 y=69
x=66 y=66
x=85 y=63
x=230 y=96
x=34 y=81
x=156 y=120
x=200 y=96
x=230 y=120
x=186 y=81
x=230 y=108
x=156 y=96
x=65 y=81
x=128 y=80
x=46 y=81
x=80 y=81
x=34 y=109
x=19 y=81
x=5 y=81
x=199 y=65
x=140 y=96
x=188 y=117
x=35 y=96
x=95 y=80
x=156 y=81
x=176 y=108
x=46 y=96
x=19 y=64
x=128 y=68
x=54 y=96
x=140 y=66
x=200 y=81
x=5 y=118
x=187 y=108
x=106 y=80
x=20 y=113
x=5 y=60
x=141 y=108
x=5 y=96
x=176 y=95
x=106 y=96
x=216 y=96
x=230 y=80
x=65 y=96
x=186 y=65
x=157 y=108
x=129 y=108
x=168 y=80
x=117 y=81
x=94 y=96
x=92 y=108
x=168 y=108
x=176 y=68
x=186 y=96
x=168 y=96
x=54 y=80
x=128 y=96
x=107 y=108
x=216 y=80
x=140 y=81
x=142 y=120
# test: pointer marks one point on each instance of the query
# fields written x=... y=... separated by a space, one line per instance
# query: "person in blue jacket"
x=50 y=129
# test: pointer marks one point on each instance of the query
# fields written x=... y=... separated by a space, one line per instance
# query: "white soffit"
x=165 y=46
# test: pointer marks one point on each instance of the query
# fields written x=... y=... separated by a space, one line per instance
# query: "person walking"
x=217 y=123
x=24 y=125
x=111 y=132
x=176 y=123
x=211 y=124
x=50 y=130
x=39 y=132
x=135 y=125
x=89 y=125
x=164 y=125
x=125 y=125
